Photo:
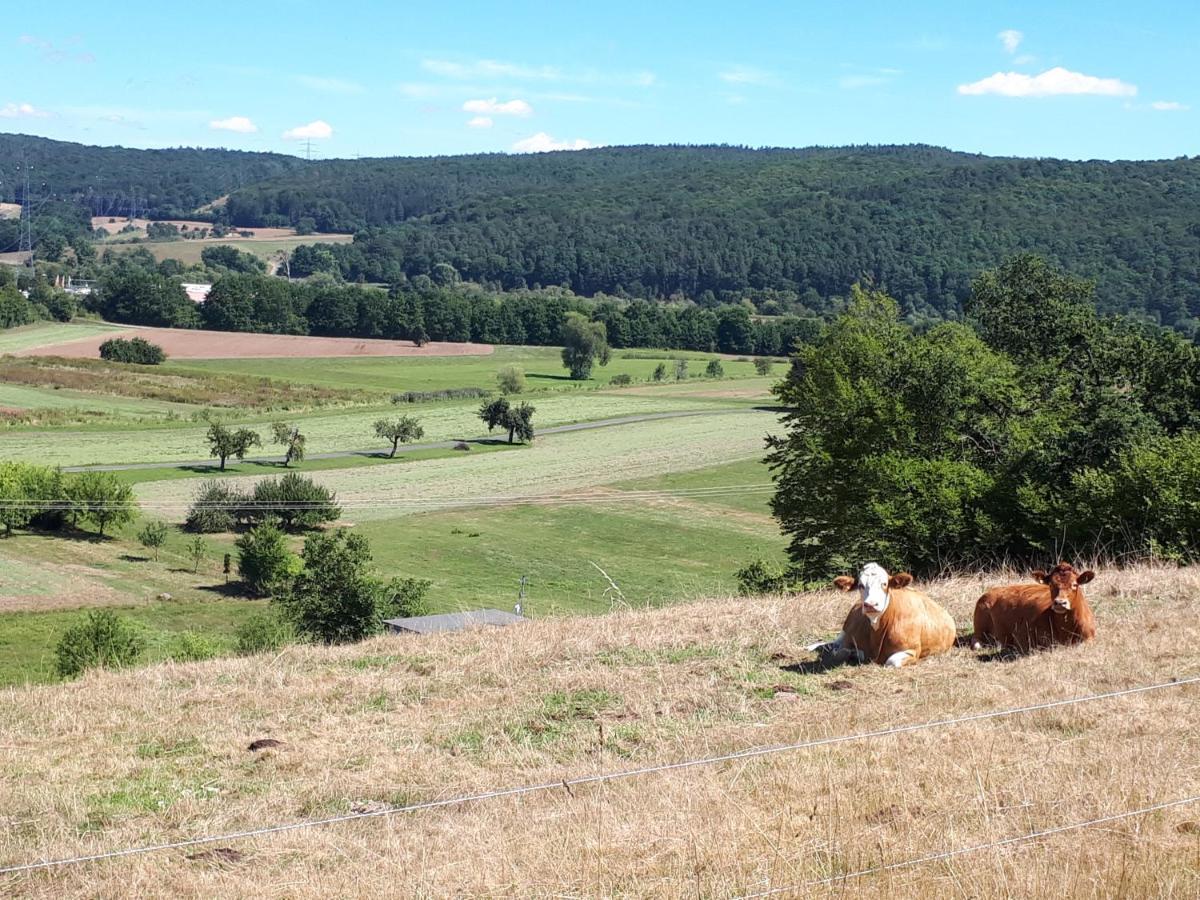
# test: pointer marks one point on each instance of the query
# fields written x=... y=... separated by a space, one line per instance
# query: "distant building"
x=197 y=293
x=452 y=621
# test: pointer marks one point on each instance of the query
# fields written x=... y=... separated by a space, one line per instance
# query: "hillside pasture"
x=555 y=466
x=186 y=343
x=264 y=247
x=99 y=765
x=327 y=430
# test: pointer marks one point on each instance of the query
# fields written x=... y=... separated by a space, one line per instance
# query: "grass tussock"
x=159 y=754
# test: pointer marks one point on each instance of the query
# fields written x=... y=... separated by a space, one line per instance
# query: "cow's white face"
x=873 y=587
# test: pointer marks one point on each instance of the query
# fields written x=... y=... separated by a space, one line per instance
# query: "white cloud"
x=1169 y=106
x=318 y=130
x=544 y=143
x=1011 y=39
x=494 y=107
x=1053 y=82
x=240 y=124
x=746 y=75
x=330 y=85
x=480 y=122
x=22 y=111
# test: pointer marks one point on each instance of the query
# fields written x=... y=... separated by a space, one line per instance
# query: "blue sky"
x=1072 y=79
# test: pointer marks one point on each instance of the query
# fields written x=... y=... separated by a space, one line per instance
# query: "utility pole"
x=521 y=595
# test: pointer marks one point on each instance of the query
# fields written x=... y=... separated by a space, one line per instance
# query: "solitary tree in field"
x=291 y=439
x=224 y=443
x=762 y=365
x=153 y=536
x=660 y=372
x=681 y=372
x=715 y=369
x=399 y=431
x=518 y=420
x=584 y=342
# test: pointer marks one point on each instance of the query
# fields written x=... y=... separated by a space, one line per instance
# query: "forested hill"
x=655 y=221
x=117 y=181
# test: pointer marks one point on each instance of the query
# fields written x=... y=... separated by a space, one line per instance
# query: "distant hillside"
x=119 y=181
x=654 y=221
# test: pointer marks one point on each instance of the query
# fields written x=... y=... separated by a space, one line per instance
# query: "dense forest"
x=789 y=230
x=115 y=181
x=793 y=227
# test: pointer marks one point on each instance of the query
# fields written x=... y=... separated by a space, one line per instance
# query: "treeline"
x=791 y=229
x=118 y=181
x=459 y=313
x=1037 y=431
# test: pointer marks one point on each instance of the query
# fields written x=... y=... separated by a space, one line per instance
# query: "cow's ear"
x=1040 y=577
x=900 y=580
x=1085 y=577
x=844 y=582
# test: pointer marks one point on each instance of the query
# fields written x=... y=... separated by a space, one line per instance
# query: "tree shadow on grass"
x=70 y=533
x=129 y=557
x=549 y=377
x=233 y=589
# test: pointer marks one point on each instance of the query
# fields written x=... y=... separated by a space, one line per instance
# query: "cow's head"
x=1064 y=583
x=874 y=585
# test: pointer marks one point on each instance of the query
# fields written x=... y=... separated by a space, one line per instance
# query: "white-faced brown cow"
x=1024 y=617
x=891 y=624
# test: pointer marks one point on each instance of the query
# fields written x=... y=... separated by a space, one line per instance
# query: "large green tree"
x=584 y=343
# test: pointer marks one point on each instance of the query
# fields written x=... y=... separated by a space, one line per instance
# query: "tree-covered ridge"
x=120 y=181
x=796 y=226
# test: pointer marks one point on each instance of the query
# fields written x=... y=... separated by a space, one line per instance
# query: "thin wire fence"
x=568 y=784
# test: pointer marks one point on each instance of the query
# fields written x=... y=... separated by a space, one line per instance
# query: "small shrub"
x=681 y=369
x=758 y=577
x=215 y=507
x=660 y=372
x=295 y=500
x=621 y=380
x=192 y=647
x=714 y=369
x=132 y=350
x=263 y=633
x=763 y=365
x=101 y=640
x=153 y=536
x=511 y=380
x=264 y=561
x=467 y=393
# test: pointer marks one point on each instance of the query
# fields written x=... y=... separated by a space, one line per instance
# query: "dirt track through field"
x=184 y=343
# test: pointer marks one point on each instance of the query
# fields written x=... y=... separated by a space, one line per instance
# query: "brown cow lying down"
x=892 y=624
x=1027 y=616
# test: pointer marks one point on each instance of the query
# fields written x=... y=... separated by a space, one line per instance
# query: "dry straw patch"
x=160 y=754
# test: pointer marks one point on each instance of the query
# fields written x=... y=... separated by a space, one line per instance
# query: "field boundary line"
x=973 y=848
x=568 y=783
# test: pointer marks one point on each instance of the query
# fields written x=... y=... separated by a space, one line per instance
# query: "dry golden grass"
x=160 y=754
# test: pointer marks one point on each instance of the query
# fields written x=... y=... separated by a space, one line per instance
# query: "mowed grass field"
x=130 y=759
x=44 y=334
x=188 y=252
x=659 y=548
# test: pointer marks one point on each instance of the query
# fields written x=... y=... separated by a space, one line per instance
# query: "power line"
x=974 y=848
x=569 y=783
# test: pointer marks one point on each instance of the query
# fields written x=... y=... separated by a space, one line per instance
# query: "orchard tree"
x=291 y=439
x=399 y=431
x=100 y=498
x=493 y=412
x=517 y=420
x=224 y=442
x=153 y=536
x=584 y=342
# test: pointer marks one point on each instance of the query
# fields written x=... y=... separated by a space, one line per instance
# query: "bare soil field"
x=183 y=343
x=120 y=760
x=10 y=210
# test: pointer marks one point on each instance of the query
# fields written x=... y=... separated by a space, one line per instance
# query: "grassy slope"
x=45 y=334
x=188 y=252
x=117 y=760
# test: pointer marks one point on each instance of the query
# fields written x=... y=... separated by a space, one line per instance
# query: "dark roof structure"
x=452 y=621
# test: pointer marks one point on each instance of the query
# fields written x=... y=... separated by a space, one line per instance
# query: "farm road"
x=410 y=448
